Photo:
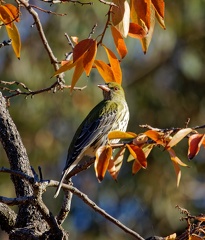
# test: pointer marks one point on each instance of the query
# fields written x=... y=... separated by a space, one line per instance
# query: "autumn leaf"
x=15 y=39
x=145 y=42
x=119 y=42
x=178 y=137
x=140 y=12
x=8 y=14
x=77 y=73
x=116 y=163
x=82 y=47
x=89 y=57
x=175 y=159
x=137 y=154
x=103 y=156
x=156 y=136
x=121 y=135
x=115 y=65
x=136 y=166
x=147 y=149
x=136 y=31
x=195 y=142
x=159 y=6
x=104 y=70
x=121 y=16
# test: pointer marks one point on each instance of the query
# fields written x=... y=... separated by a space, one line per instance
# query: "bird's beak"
x=104 y=87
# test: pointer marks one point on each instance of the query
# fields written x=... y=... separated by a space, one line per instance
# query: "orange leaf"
x=77 y=73
x=175 y=159
x=105 y=71
x=119 y=42
x=138 y=154
x=115 y=66
x=90 y=57
x=156 y=136
x=120 y=135
x=141 y=12
x=103 y=156
x=116 y=163
x=136 y=166
x=6 y=16
x=159 y=10
x=178 y=137
x=195 y=142
x=67 y=66
x=177 y=171
x=14 y=12
x=121 y=16
x=81 y=48
x=136 y=31
x=68 y=62
x=147 y=39
x=147 y=149
x=15 y=37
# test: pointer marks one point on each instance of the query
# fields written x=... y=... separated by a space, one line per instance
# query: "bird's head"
x=112 y=90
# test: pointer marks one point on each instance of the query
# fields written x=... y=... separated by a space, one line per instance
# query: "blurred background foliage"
x=163 y=89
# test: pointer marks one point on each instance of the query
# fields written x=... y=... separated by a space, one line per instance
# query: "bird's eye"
x=115 y=88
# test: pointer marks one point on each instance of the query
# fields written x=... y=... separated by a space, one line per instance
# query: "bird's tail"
x=64 y=173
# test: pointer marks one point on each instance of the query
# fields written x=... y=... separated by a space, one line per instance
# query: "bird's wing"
x=97 y=124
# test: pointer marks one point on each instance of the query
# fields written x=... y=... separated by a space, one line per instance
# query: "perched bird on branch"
x=110 y=114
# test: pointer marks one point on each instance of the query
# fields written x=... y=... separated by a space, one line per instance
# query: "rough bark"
x=30 y=221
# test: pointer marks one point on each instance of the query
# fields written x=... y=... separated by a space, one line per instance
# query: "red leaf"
x=77 y=73
x=90 y=57
x=156 y=136
x=81 y=48
x=136 y=31
x=195 y=142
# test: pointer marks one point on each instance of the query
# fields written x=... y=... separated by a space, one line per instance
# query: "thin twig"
x=49 y=12
x=94 y=206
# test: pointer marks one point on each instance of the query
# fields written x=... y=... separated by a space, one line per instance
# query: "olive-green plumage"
x=110 y=114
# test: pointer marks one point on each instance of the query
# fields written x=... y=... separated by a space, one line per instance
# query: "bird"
x=111 y=114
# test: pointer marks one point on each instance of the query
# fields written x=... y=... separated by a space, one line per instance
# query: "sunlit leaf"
x=159 y=6
x=116 y=163
x=177 y=171
x=67 y=66
x=195 y=142
x=136 y=166
x=179 y=136
x=195 y=237
x=175 y=159
x=136 y=31
x=156 y=136
x=137 y=154
x=81 y=48
x=119 y=42
x=89 y=57
x=121 y=16
x=115 y=65
x=121 y=135
x=171 y=237
x=14 y=11
x=15 y=39
x=141 y=12
x=105 y=71
x=68 y=62
x=103 y=156
x=145 y=42
x=147 y=149
x=77 y=73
